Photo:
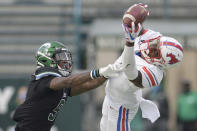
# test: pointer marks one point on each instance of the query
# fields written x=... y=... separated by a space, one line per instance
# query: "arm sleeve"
x=128 y=59
x=151 y=76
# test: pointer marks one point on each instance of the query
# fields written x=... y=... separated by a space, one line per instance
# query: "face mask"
x=64 y=62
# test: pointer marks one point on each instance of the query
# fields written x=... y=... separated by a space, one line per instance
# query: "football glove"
x=111 y=70
x=131 y=33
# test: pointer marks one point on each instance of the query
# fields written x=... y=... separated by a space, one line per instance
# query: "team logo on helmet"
x=173 y=59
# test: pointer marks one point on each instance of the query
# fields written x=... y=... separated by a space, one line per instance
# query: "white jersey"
x=121 y=91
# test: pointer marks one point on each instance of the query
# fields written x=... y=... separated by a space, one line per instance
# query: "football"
x=136 y=13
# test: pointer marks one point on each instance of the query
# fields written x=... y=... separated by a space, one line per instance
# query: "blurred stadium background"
x=91 y=29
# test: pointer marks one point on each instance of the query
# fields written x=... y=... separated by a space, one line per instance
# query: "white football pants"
x=116 y=120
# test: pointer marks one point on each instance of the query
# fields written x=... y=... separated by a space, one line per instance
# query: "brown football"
x=136 y=13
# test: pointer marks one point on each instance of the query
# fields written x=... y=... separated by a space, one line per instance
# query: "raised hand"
x=131 y=33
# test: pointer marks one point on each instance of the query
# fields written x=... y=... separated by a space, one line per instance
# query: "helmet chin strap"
x=62 y=71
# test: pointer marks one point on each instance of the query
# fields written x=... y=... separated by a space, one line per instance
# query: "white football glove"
x=111 y=70
x=131 y=33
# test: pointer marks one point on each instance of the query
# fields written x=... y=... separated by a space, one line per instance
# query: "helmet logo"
x=173 y=58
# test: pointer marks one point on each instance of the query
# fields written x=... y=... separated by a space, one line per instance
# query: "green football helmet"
x=51 y=53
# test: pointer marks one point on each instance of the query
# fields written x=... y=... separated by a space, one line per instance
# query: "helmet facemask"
x=150 y=51
x=64 y=61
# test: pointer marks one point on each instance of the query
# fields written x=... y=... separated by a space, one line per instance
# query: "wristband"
x=94 y=74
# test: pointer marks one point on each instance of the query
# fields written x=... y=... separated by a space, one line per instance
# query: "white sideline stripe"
x=130 y=17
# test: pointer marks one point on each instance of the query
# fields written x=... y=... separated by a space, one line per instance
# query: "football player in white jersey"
x=146 y=56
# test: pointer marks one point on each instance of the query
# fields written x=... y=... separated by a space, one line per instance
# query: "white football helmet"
x=162 y=51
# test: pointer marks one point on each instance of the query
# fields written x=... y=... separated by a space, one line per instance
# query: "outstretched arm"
x=131 y=71
x=83 y=82
x=144 y=76
x=78 y=83
x=128 y=55
x=89 y=85
x=69 y=82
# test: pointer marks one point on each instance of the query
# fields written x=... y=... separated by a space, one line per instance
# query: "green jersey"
x=187 y=106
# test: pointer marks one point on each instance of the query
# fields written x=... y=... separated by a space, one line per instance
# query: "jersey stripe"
x=119 y=119
x=39 y=76
x=173 y=44
x=157 y=83
x=147 y=79
x=123 y=119
x=149 y=75
x=127 y=115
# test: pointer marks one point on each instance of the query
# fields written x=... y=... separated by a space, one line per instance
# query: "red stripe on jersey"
x=123 y=119
x=149 y=75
